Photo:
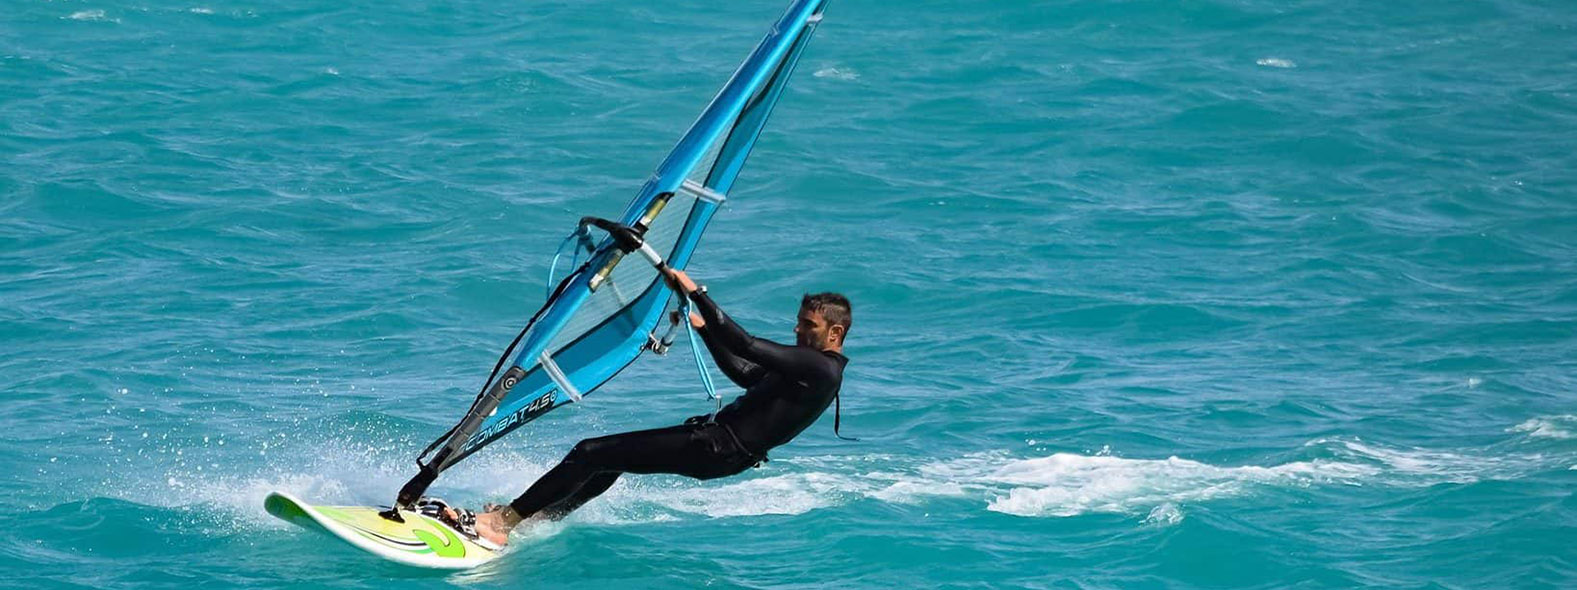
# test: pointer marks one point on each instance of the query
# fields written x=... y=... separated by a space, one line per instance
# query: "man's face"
x=813 y=330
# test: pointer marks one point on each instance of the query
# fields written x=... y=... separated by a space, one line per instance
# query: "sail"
x=604 y=312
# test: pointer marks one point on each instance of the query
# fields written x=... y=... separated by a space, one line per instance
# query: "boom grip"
x=629 y=239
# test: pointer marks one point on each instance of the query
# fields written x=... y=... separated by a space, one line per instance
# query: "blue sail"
x=604 y=313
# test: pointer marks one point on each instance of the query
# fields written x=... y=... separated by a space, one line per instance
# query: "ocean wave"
x=357 y=475
x=1562 y=427
x=1411 y=466
x=1164 y=515
x=1070 y=484
x=90 y=15
x=1065 y=484
x=836 y=73
x=794 y=493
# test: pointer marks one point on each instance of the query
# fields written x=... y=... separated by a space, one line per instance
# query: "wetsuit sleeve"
x=742 y=372
x=723 y=333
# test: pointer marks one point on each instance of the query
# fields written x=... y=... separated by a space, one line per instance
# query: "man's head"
x=824 y=320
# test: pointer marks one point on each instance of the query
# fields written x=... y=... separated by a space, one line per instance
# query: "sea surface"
x=1148 y=294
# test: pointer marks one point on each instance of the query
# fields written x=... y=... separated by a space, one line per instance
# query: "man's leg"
x=592 y=488
x=594 y=465
x=592 y=461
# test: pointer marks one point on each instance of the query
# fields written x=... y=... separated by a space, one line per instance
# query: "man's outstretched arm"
x=766 y=353
x=742 y=372
x=721 y=332
x=734 y=339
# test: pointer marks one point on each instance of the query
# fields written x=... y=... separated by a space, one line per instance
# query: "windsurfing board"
x=420 y=541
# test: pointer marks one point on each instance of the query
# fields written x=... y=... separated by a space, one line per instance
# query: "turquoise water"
x=1148 y=294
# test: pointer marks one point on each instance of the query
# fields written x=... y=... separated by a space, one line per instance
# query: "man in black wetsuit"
x=786 y=389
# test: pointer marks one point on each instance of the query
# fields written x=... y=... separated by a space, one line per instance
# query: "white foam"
x=955 y=478
x=342 y=473
x=1166 y=514
x=795 y=493
x=88 y=15
x=912 y=492
x=1061 y=484
x=1066 y=484
x=1414 y=466
x=1276 y=62
x=1554 y=427
x=348 y=476
x=200 y=10
x=837 y=73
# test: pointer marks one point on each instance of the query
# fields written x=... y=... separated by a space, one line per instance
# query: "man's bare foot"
x=495 y=525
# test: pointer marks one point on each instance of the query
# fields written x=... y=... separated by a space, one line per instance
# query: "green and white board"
x=419 y=541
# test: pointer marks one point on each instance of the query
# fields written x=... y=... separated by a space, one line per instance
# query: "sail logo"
x=526 y=414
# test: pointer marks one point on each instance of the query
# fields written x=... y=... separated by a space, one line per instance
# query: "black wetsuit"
x=786 y=389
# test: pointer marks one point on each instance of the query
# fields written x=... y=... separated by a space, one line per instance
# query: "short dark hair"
x=833 y=307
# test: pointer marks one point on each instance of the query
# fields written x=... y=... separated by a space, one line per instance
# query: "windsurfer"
x=786 y=389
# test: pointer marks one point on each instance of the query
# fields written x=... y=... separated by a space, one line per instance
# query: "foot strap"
x=463 y=521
